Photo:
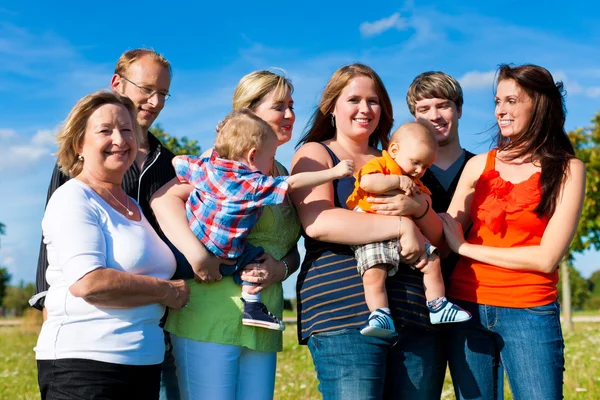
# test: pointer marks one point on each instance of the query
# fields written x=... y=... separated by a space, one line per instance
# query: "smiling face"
x=108 y=146
x=279 y=114
x=441 y=116
x=357 y=109
x=147 y=74
x=514 y=109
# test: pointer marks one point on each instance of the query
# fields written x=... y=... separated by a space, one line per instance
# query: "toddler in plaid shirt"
x=230 y=191
x=412 y=150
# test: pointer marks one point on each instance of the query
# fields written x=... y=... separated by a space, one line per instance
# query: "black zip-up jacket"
x=140 y=185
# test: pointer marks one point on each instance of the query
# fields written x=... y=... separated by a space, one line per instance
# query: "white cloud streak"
x=477 y=80
x=25 y=152
x=394 y=21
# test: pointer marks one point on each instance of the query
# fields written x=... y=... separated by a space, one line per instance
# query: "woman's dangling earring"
x=333 y=120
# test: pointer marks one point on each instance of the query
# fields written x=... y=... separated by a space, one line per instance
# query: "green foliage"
x=4 y=279
x=586 y=142
x=179 y=146
x=595 y=283
x=16 y=297
x=580 y=289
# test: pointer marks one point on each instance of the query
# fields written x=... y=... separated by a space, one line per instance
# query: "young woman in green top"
x=216 y=356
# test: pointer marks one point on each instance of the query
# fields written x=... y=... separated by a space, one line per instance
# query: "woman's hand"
x=264 y=272
x=396 y=203
x=178 y=294
x=412 y=242
x=453 y=232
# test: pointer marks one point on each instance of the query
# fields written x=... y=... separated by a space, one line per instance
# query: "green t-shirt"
x=214 y=313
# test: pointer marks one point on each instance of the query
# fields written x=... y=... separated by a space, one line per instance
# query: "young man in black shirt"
x=417 y=364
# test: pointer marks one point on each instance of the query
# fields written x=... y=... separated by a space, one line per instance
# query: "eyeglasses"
x=149 y=92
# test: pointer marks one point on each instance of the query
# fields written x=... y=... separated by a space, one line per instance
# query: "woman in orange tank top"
x=523 y=201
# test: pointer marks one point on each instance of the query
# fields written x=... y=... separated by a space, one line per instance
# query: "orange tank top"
x=503 y=216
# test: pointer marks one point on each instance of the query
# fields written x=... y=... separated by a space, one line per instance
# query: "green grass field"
x=295 y=373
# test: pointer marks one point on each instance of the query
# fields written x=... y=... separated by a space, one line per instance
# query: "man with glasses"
x=144 y=76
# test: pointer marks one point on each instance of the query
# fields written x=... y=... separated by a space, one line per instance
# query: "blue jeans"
x=349 y=366
x=528 y=342
x=416 y=365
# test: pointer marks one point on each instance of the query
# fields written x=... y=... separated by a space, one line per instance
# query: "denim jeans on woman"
x=527 y=342
x=351 y=366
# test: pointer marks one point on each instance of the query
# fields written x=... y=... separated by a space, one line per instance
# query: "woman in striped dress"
x=353 y=119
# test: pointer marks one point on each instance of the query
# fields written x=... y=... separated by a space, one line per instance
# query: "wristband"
x=424 y=213
x=287 y=270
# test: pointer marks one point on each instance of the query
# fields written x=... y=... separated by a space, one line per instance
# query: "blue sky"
x=53 y=54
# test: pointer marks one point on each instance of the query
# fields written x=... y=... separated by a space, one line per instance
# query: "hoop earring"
x=333 y=120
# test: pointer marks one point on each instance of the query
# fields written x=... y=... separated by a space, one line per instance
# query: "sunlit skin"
x=441 y=116
x=262 y=159
x=109 y=146
x=357 y=109
x=147 y=73
x=514 y=108
x=279 y=115
x=414 y=157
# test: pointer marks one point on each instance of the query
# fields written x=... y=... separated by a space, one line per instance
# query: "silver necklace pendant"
x=130 y=213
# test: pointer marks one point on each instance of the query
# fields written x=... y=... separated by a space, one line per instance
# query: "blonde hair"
x=72 y=131
x=434 y=85
x=241 y=131
x=320 y=127
x=131 y=56
x=252 y=88
x=415 y=130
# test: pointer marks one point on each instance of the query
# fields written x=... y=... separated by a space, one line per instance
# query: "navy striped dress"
x=330 y=292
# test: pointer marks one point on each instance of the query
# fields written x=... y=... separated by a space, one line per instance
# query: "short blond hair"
x=434 y=85
x=72 y=131
x=414 y=130
x=241 y=131
x=131 y=56
x=252 y=89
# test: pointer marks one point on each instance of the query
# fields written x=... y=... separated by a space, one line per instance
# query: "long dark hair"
x=319 y=127
x=545 y=138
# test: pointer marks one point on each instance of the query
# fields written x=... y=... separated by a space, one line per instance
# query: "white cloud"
x=26 y=152
x=477 y=80
x=7 y=133
x=394 y=21
x=573 y=87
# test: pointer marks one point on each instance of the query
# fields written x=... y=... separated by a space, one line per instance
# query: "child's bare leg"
x=374 y=284
x=433 y=281
x=440 y=309
x=380 y=322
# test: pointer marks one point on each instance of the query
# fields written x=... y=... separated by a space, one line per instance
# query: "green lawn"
x=295 y=373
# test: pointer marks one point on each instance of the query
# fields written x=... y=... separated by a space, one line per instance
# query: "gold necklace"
x=129 y=212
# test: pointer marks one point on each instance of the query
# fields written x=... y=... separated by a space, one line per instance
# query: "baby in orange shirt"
x=411 y=151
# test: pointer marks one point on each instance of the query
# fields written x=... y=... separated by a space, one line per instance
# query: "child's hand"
x=344 y=168
x=206 y=267
x=407 y=185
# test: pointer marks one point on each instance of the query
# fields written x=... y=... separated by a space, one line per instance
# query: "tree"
x=17 y=297
x=4 y=279
x=179 y=146
x=586 y=142
x=579 y=288
x=4 y=275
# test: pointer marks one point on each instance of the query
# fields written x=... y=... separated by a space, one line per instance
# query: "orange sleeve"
x=359 y=196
